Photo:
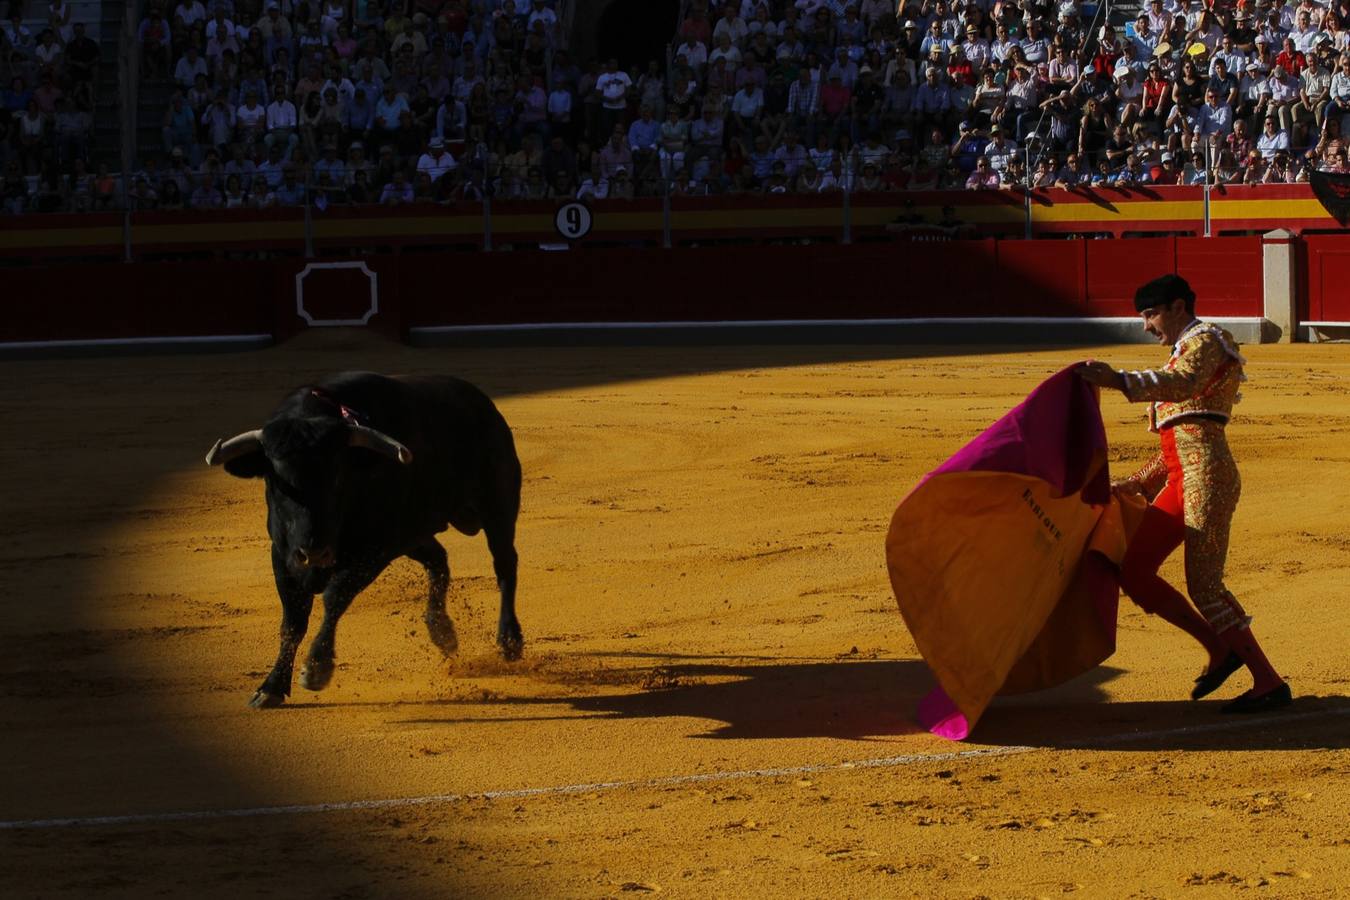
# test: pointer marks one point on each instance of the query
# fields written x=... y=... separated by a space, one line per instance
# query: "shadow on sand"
x=869 y=700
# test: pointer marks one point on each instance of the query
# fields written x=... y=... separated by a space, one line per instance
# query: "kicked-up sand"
x=717 y=691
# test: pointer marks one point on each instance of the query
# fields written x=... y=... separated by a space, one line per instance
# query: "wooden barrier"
x=899 y=280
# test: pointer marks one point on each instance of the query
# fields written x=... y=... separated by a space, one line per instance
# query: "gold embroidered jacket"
x=1203 y=376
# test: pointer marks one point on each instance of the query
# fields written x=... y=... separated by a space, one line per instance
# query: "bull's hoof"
x=266 y=700
x=512 y=646
x=442 y=632
x=316 y=674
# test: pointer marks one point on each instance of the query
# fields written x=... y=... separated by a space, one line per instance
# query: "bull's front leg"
x=341 y=591
x=296 y=604
x=432 y=557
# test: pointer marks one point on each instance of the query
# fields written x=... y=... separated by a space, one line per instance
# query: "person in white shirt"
x=190 y=65
x=694 y=53
x=1272 y=139
x=977 y=50
x=731 y=24
x=190 y=12
x=282 y=121
x=251 y=119
x=746 y=106
x=1233 y=58
x=613 y=86
x=436 y=162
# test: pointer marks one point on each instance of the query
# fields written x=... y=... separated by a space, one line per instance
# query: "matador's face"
x=1166 y=321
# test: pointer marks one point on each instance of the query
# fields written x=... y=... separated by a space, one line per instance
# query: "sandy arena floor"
x=704 y=597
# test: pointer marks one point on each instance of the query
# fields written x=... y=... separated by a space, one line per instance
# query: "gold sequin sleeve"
x=1185 y=378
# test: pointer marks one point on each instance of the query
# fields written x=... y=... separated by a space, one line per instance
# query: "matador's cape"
x=1004 y=558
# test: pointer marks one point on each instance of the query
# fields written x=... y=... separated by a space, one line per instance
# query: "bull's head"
x=305 y=465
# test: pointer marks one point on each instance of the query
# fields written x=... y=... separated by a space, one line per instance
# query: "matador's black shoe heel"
x=1277 y=698
x=1209 y=682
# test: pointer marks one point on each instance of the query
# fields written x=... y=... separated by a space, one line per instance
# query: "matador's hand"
x=1100 y=374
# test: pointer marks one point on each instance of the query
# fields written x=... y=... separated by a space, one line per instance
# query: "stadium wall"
x=971 y=290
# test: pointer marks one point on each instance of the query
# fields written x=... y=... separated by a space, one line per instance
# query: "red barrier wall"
x=891 y=280
x=96 y=302
x=1324 y=294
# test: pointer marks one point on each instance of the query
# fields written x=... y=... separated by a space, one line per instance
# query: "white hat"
x=1167 y=157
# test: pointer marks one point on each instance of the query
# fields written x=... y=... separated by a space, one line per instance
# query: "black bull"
x=361 y=469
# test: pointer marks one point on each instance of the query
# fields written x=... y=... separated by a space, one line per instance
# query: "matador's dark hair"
x=1161 y=291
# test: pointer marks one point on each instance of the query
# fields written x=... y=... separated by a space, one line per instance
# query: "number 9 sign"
x=573 y=221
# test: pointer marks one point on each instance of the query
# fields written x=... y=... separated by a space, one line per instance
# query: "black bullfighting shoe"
x=1277 y=698
x=1209 y=682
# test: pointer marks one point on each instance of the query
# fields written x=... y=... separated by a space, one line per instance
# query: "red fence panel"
x=1041 y=278
x=1225 y=273
x=1324 y=294
x=1116 y=268
x=100 y=302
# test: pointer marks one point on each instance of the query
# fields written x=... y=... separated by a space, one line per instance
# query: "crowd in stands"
x=284 y=102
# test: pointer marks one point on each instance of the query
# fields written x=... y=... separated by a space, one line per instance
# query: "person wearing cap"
x=968 y=147
x=1166 y=171
x=976 y=49
x=1192 y=486
x=999 y=151
x=1253 y=94
x=1129 y=95
x=436 y=162
x=1242 y=32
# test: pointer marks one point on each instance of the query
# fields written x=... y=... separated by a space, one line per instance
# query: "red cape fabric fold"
x=1004 y=558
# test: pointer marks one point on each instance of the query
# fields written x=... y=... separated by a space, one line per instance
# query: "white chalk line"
x=884 y=762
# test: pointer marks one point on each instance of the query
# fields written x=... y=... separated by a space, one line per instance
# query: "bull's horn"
x=224 y=451
x=361 y=436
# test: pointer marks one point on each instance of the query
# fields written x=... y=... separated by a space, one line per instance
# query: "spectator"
x=290 y=193
x=615 y=155
x=331 y=168
x=282 y=121
x=205 y=196
x=612 y=88
x=436 y=162
x=179 y=126
x=983 y=177
x=73 y=125
x=398 y=191
x=1273 y=138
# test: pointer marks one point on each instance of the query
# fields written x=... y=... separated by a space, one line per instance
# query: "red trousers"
x=1194 y=508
